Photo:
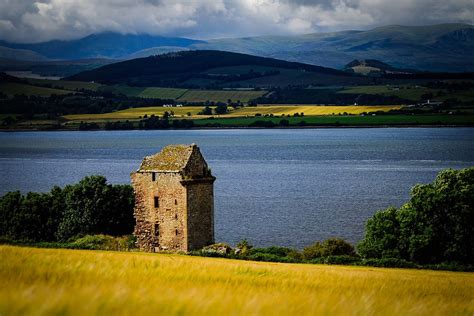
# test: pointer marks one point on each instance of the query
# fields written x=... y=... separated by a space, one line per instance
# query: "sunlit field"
x=135 y=113
x=54 y=281
x=311 y=109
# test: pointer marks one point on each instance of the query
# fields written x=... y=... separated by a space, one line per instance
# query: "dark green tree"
x=329 y=247
x=434 y=226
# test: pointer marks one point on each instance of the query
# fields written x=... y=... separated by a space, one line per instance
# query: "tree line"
x=91 y=206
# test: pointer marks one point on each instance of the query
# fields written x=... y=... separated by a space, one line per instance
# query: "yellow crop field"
x=135 y=113
x=77 y=282
x=289 y=109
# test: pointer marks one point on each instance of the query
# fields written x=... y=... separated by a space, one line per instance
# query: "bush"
x=275 y=254
x=389 y=263
x=269 y=258
x=104 y=242
x=345 y=260
x=217 y=250
x=329 y=247
x=243 y=248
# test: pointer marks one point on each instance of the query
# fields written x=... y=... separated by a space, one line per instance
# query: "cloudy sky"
x=29 y=20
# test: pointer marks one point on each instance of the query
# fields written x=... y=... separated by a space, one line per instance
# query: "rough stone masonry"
x=174 y=200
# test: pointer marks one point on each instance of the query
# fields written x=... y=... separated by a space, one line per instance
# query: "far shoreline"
x=247 y=127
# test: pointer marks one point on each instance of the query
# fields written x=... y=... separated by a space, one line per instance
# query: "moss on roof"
x=170 y=158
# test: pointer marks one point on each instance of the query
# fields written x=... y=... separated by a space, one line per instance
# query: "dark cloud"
x=41 y=20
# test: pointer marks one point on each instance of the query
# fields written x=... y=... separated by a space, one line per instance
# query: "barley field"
x=135 y=113
x=290 y=109
x=79 y=282
x=219 y=95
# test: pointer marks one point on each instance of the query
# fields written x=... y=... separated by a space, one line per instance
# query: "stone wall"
x=200 y=213
x=163 y=227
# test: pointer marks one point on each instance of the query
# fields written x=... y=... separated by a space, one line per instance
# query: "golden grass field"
x=79 y=282
x=135 y=113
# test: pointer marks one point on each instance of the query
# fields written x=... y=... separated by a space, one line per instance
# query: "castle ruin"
x=174 y=200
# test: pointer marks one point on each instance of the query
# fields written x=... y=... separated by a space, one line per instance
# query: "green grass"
x=67 y=85
x=80 y=282
x=219 y=95
x=14 y=88
x=413 y=93
x=146 y=92
x=161 y=93
x=347 y=120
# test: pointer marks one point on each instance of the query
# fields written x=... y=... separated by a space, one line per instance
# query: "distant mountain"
x=214 y=69
x=103 y=45
x=372 y=67
x=54 y=68
x=439 y=48
x=443 y=47
x=20 y=54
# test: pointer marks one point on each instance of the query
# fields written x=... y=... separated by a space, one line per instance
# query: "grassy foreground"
x=58 y=281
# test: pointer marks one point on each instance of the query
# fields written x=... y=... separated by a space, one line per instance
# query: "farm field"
x=290 y=109
x=135 y=113
x=77 y=282
x=335 y=120
x=145 y=92
x=14 y=88
x=408 y=92
x=66 y=85
x=219 y=95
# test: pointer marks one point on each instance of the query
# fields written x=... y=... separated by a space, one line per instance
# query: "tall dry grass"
x=79 y=282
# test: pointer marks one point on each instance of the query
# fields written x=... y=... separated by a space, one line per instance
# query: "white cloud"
x=40 y=20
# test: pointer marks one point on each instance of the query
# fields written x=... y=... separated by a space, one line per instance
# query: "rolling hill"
x=438 y=48
x=102 y=45
x=442 y=47
x=373 y=67
x=214 y=69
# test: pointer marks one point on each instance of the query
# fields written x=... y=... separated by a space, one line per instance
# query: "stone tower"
x=174 y=200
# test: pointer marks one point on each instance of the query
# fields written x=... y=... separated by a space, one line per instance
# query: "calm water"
x=274 y=187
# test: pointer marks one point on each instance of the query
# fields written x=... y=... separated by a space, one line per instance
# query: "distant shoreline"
x=244 y=127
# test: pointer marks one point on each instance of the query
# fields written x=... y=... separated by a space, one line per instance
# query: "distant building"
x=174 y=200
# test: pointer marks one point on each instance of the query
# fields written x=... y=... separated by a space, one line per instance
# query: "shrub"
x=346 y=260
x=329 y=247
x=389 y=263
x=217 y=250
x=243 y=248
x=104 y=242
x=275 y=254
x=269 y=258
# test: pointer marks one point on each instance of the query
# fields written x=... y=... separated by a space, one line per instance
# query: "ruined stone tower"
x=174 y=200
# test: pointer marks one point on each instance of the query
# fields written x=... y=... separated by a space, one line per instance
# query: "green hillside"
x=214 y=69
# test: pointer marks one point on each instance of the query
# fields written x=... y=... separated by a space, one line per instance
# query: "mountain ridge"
x=438 y=47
